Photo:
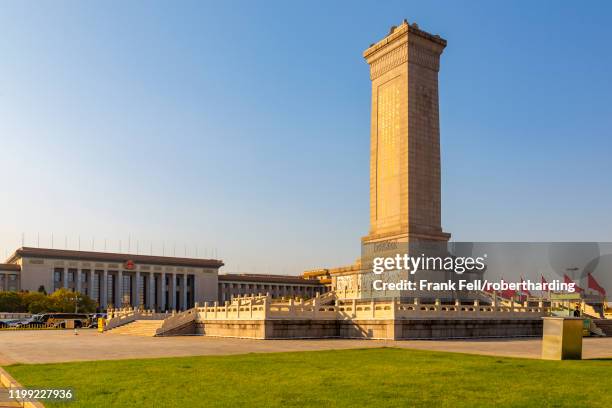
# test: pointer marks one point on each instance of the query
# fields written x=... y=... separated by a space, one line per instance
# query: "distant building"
x=151 y=282
x=234 y=285
x=9 y=277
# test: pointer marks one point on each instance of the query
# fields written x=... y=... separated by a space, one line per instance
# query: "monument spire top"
x=403 y=30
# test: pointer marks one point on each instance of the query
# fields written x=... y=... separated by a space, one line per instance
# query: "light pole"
x=76 y=310
x=572 y=271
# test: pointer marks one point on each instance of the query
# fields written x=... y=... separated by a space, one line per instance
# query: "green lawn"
x=348 y=378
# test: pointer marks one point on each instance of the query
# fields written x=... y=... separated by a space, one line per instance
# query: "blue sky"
x=243 y=127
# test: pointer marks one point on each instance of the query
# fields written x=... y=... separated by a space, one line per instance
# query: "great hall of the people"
x=153 y=282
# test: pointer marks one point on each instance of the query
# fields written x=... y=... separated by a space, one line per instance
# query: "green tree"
x=42 y=289
x=37 y=307
x=63 y=300
x=11 y=302
x=36 y=302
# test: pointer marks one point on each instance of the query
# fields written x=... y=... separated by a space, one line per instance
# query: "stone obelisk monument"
x=405 y=209
x=405 y=137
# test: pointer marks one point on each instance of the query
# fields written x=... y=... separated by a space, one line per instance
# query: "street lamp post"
x=76 y=309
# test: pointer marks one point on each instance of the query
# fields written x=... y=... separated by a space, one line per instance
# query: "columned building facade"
x=158 y=283
x=277 y=286
x=116 y=280
x=9 y=277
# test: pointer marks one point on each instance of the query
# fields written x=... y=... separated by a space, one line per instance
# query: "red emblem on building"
x=129 y=264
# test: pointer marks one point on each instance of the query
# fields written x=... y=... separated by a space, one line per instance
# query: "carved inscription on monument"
x=388 y=153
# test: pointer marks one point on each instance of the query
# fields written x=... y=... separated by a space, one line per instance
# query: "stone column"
x=119 y=290
x=77 y=280
x=162 y=292
x=194 y=292
x=151 y=301
x=103 y=289
x=64 y=278
x=184 y=292
x=135 y=293
x=90 y=275
x=172 y=292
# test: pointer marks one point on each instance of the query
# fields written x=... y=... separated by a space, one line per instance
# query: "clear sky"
x=244 y=126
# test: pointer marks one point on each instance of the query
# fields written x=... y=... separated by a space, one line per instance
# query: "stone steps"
x=605 y=325
x=139 y=328
x=4 y=399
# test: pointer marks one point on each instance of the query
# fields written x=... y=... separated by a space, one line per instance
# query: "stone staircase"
x=327 y=298
x=146 y=328
x=181 y=323
x=4 y=398
x=591 y=312
x=7 y=382
x=595 y=330
x=605 y=325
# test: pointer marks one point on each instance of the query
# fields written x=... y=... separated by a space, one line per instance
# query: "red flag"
x=567 y=279
x=525 y=290
x=545 y=286
x=508 y=293
x=592 y=283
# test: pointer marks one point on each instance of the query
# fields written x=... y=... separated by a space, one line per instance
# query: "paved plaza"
x=63 y=346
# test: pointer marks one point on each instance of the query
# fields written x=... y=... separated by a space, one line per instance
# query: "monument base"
x=383 y=329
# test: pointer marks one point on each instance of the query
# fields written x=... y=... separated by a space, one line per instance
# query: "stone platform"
x=367 y=329
x=261 y=317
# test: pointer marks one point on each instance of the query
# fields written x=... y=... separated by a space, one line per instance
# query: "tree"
x=41 y=289
x=35 y=302
x=37 y=306
x=63 y=300
x=11 y=302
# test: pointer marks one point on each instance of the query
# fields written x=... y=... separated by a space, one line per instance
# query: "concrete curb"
x=9 y=382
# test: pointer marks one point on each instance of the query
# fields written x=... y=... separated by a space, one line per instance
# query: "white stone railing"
x=326 y=298
x=255 y=299
x=177 y=320
x=119 y=317
x=239 y=309
x=246 y=309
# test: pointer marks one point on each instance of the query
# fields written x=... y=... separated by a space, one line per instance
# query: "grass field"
x=343 y=378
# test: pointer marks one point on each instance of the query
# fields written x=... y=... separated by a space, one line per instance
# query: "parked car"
x=33 y=321
x=60 y=319
x=6 y=323
x=55 y=320
x=94 y=319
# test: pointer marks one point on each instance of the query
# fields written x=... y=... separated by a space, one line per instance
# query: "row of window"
x=9 y=282
x=249 y=286
x=229 y=290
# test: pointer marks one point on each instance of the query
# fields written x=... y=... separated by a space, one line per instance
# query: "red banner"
x=593 y=284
